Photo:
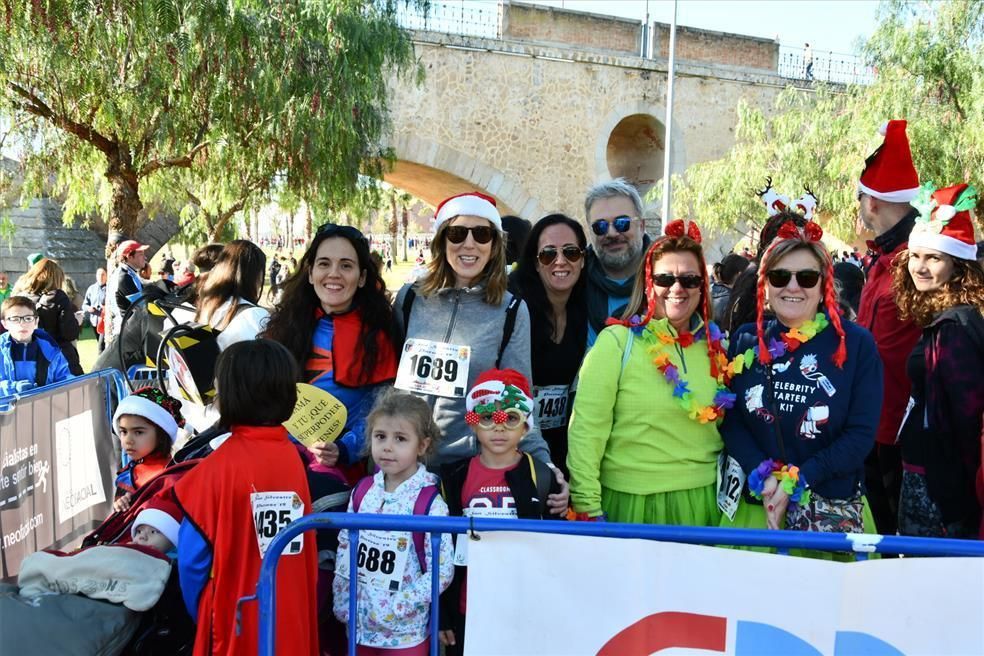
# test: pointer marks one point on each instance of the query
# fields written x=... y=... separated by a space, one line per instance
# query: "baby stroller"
x=166 y=629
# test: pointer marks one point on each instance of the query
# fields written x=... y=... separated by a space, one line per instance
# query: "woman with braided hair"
x=643 y=440
x=808 y=387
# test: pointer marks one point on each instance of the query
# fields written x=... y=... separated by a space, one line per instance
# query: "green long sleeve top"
x=628 y=433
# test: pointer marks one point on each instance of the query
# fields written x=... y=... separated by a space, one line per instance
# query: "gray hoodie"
x=461 y=316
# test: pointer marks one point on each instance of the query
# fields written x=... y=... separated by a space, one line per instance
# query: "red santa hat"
x=944 y=222
x=507 y=387
x=889 y=173
x=472 y=203
x=162 y=514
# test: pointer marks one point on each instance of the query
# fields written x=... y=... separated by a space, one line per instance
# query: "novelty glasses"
x=621 y=223
x=548 y=255
x=806 y=278
x=511 y=417
x=482 y=234
x=687 y=280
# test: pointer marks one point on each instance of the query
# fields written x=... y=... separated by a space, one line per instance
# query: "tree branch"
x=87 y=133
x=182 y=161
x=952 y=92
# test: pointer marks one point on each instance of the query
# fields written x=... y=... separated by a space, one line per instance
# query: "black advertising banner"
x=57 y=464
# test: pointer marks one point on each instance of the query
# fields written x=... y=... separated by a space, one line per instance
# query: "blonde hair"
x=410 y=408
x=43 y=277
x=440 y=274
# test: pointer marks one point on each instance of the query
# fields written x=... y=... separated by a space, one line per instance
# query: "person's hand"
x=446 y=638
x=24 y=385
x=775 y=507
x=326 y=453
x=123 y=503
x=557 y=503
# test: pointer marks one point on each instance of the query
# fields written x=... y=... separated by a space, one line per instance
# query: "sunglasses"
x=687 y=280
x=512 y=418
x=549 y=254
x=807 y=278
x=481 y=234
x=621 y=223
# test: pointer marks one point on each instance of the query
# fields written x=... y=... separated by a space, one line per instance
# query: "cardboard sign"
x=318 y=416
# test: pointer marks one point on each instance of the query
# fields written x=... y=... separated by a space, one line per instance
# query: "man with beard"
x=618 y=239
x=888 y=182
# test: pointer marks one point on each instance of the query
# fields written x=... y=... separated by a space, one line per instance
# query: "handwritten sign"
x=318 y=416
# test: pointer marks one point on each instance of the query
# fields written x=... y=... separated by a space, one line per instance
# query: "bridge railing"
x=859 y=544
x=465 y=17
x=833 y=67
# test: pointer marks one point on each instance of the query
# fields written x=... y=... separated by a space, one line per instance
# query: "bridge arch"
x=432 y=171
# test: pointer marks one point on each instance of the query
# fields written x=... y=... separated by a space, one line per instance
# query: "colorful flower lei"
x=723 y=398
x=788 y=342
x=789 y=479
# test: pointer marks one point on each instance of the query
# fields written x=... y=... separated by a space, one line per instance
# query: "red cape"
x=215 y=496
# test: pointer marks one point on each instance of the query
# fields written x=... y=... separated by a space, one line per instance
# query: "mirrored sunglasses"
x=621 y=224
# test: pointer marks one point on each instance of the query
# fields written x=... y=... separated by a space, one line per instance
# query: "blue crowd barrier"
x=114 y=381
x=859 y=544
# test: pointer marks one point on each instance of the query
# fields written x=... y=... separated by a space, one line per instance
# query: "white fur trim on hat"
x=897 y=196
x=142 y=407
x=159 y=519
x=942 y=243
x=467 y=204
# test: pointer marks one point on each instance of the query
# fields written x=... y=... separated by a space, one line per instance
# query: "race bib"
x=730 y=481
x=381 y=559
x=437 y=368
x=551 y=406
x=272 y=511
x=462 y=539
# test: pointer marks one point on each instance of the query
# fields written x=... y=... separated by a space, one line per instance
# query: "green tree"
x=930 y=67
x=136 y=104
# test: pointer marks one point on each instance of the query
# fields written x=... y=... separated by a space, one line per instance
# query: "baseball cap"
x=130 y=246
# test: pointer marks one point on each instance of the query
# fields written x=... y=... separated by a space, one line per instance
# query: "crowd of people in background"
x=550 y=371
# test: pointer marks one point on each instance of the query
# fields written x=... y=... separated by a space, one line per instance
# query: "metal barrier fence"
x=822 y=66
x=473 y=18
x=860 y=544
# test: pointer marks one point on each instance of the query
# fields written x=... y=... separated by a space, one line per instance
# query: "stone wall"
x=39 y=229
x=538 y=138
x=717 y=47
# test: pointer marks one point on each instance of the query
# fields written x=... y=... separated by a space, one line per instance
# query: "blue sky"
x=829 y=25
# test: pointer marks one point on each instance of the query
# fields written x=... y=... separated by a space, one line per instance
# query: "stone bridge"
x=546 y=103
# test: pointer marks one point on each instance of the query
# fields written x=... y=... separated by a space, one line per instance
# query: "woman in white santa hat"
x=459 y=320
x=939 y=284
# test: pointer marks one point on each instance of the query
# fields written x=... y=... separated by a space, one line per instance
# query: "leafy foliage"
x=135 y=106
x=930 y=69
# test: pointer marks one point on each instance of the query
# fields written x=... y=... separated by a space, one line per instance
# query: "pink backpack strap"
x=422 y=506
x=360 y=491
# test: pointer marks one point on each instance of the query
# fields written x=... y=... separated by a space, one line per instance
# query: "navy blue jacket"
x=827 y=416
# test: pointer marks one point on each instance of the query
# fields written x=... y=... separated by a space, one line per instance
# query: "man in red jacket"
x=888 y=182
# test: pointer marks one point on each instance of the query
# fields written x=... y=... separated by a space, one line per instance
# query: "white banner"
x=551 y=594
x=79 y=482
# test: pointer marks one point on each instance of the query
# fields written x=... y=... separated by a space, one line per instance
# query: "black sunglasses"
x=687 y=280
x=481 y=234
x=333 y=229
x=621 y=223
x=548 y=255
x=807 y=278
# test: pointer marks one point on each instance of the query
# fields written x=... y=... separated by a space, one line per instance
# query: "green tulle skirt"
x=693 y=507
x=750 y=515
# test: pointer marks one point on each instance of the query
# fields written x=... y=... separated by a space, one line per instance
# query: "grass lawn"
x=89 y=349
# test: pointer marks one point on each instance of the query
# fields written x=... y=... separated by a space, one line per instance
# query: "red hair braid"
x=833 y=309
x=764 y=356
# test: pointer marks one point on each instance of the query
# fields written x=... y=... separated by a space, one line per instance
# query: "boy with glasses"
x=613 y=211
x=29 y=357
